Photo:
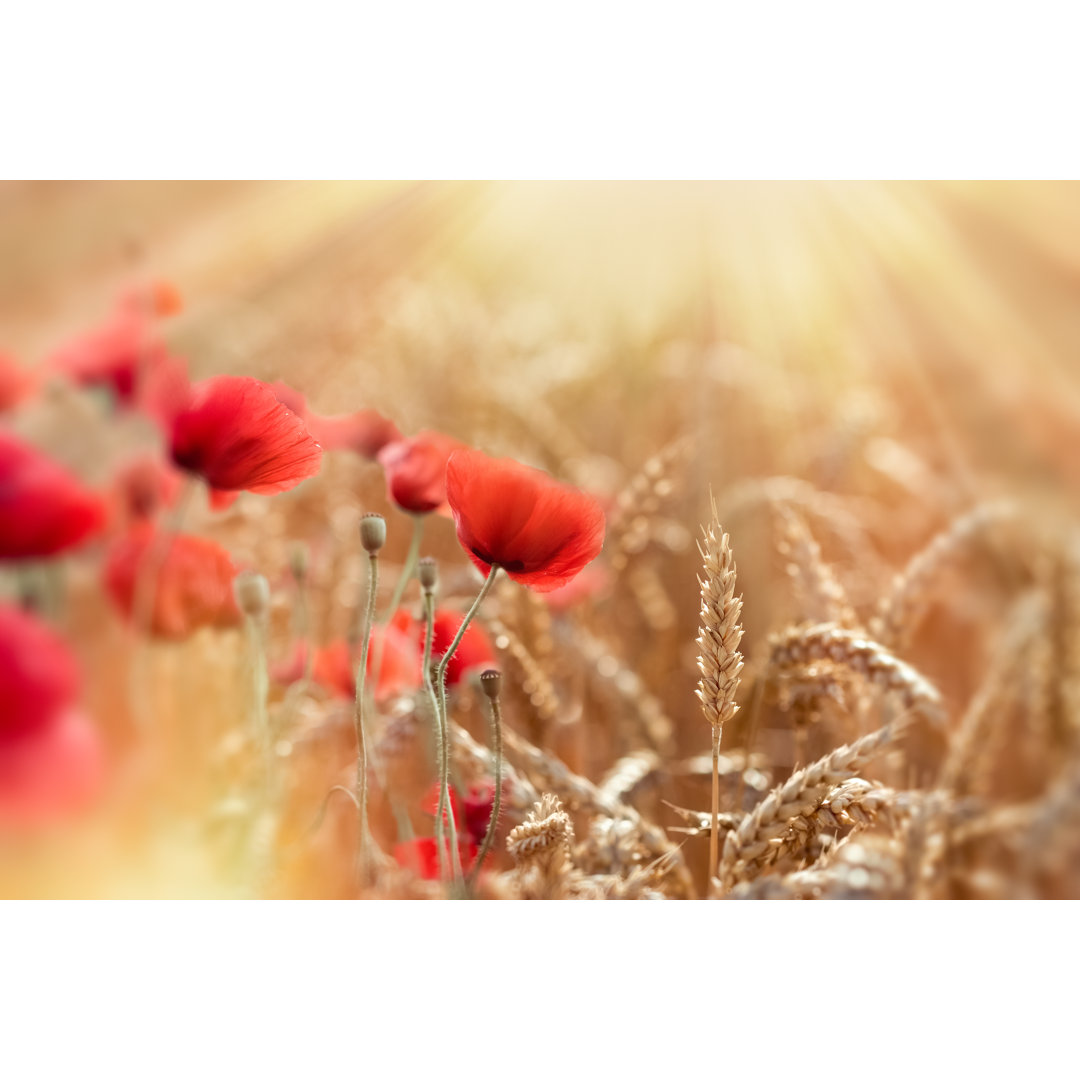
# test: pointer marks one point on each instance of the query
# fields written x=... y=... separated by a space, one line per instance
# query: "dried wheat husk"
x=583 y=796
x=901 y=610
x=786 y=817
x=818 y=592
x=800 y=649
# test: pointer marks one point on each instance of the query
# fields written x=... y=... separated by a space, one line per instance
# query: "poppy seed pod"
x=252 y=592
x=490 y=682
x=372 y=532
x=427 y=570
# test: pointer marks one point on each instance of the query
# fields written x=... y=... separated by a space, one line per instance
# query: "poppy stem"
x=440 y=684
x=444 y=783
x=469 y=616
x=147 y=575
x=429 y=686
x=406 y=571
x=388 y=615
x=489 y=681
x=361 y=743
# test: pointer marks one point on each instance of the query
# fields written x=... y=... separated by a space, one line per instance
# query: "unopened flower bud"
x=252 y=592
x=490 y=681
x=427 y=570
x=298 y=561
x=372 y=532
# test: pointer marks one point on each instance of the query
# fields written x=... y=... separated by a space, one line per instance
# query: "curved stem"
x=407 y=568
x=496 y=804
x=469 y=616
x=444 y=779
x=399 y=589
x=361 y=741
x=440 y=685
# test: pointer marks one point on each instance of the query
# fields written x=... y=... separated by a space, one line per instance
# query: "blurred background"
x=907 y=351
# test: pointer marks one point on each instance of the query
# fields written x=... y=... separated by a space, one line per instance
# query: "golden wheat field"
x=761 y=499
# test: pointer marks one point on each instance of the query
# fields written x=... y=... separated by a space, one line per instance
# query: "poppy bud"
x=372 y=532
x=252 y=592
x=298 y=561
x=490 y=681
x=427 y=570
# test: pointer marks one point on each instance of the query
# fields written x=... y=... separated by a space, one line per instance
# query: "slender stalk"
x=361 y=738
x=440 y=684
x=256 y=634
x=146 y=587
x=489 y=680
x=444 y=779
x=302 y=611
x=714 y=835
x=469 y=616
x=440 y=737
x=399 y=589
x=406 y=570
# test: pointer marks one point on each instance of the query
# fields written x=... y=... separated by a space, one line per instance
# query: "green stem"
x=444 y=779
x=429 y=686
x=469 y=616
x=406 y=570
x=361 y=741
x=147 y=575
x=440 y=683
x=496 y=804
x=256 y=633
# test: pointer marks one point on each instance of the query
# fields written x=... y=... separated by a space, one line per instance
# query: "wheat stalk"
x=719 y=659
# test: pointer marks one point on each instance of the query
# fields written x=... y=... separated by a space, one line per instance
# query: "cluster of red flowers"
x=236 y=434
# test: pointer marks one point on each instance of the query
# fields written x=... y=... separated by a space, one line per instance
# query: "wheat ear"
x=761 y=834
x=719 y=659
x=798 y=647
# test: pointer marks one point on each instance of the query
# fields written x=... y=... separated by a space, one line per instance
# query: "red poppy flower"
x=541 y=532
x=422 y=856
x=234 y=433
x=332 y=665
x=16 y=382
x=430 y=803
x=50 y=773
x=145 y=485
x=194 y=585
x=366 y=432
x=44 y=510
x=39 y=677
x=474 y=650
x=113 y=355
x=416 y=470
